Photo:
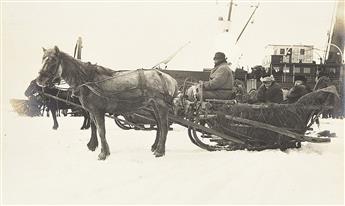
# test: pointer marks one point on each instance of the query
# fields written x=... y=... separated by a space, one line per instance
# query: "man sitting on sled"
x=220 y=84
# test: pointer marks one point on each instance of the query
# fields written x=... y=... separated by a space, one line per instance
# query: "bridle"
x=52 y=76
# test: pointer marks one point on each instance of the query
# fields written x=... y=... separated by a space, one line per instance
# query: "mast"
x=336 y=43
x=245 y=26
x=230 y=10
x=335 y=48
x=77 y=48
x=227 y=27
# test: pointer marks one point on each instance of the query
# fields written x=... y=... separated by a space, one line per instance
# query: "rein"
x=53 y=77
x=94 y=87
x=87 y=84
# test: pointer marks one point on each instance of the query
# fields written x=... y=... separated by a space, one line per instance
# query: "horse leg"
x=93 y=142
x=84 y=122
x=100 y=124
x=87 y=116
x=160 y=151
x=56 y=124
x=161 y=113
x=154 y=146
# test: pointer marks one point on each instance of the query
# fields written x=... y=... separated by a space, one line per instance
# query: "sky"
x=134 y=34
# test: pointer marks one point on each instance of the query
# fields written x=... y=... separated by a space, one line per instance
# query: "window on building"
x=275 y=52
x=276 y=69
x=282 y=51
x=297 y=70
x=302 y=51
x=307 y=70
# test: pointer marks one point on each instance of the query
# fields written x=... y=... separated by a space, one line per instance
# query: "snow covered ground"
x=43 y=166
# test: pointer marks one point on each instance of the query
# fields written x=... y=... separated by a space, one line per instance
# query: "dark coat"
x=272 y=94
x=221 y=77
x=296 y=92
x=220 y=84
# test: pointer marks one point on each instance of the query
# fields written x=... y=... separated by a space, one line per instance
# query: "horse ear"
x=44 y=50
x=57 y=51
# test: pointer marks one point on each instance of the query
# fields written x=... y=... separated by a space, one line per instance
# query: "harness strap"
x=167 y=96
x=141 y=86
x=141 y=81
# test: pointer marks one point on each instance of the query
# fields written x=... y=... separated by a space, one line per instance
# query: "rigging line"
x=245 y=26
x=329 y=40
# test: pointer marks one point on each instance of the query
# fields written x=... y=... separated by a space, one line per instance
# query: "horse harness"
x=53 y=76
x=94 y=87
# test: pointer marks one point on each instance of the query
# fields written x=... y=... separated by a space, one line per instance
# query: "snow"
x=44 y=166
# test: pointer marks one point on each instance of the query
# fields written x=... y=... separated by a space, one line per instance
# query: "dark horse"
x=101 y=90
x=324 y=82
x=35 y=93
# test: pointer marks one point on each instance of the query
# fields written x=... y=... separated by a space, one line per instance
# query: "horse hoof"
x=102 y=156
x=153 y=149
x=55 y=128
x=159 y=154
x=91 y=147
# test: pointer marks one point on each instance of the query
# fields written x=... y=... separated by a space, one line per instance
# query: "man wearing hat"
x=221 y=80
x=298 y=90
x=269 y=91
x=220 y=84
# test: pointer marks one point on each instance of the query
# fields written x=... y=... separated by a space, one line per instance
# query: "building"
x=288 y=54
x=286 y=62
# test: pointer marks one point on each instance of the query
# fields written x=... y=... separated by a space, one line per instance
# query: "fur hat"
x=267 y=78
x=219 y=55
x=301 y=78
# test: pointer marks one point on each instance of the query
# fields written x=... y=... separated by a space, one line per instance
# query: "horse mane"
x=311 y=99
x=314 y=102
x=85 y=70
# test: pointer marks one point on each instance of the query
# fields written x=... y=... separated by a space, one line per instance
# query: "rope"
x=102 y=80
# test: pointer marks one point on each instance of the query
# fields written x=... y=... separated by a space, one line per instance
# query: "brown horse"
x=101 y=90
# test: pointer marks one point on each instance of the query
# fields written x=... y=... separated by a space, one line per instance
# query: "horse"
x=35 y=93
x=102 y=90
x=321 y=98
x=323 y=82
x=295 y=93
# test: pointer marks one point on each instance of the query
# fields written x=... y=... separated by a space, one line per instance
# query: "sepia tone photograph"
x=172 y=102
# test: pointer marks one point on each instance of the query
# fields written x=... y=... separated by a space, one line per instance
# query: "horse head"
x=327 y=96
x=51 y=67
x=322 y=82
